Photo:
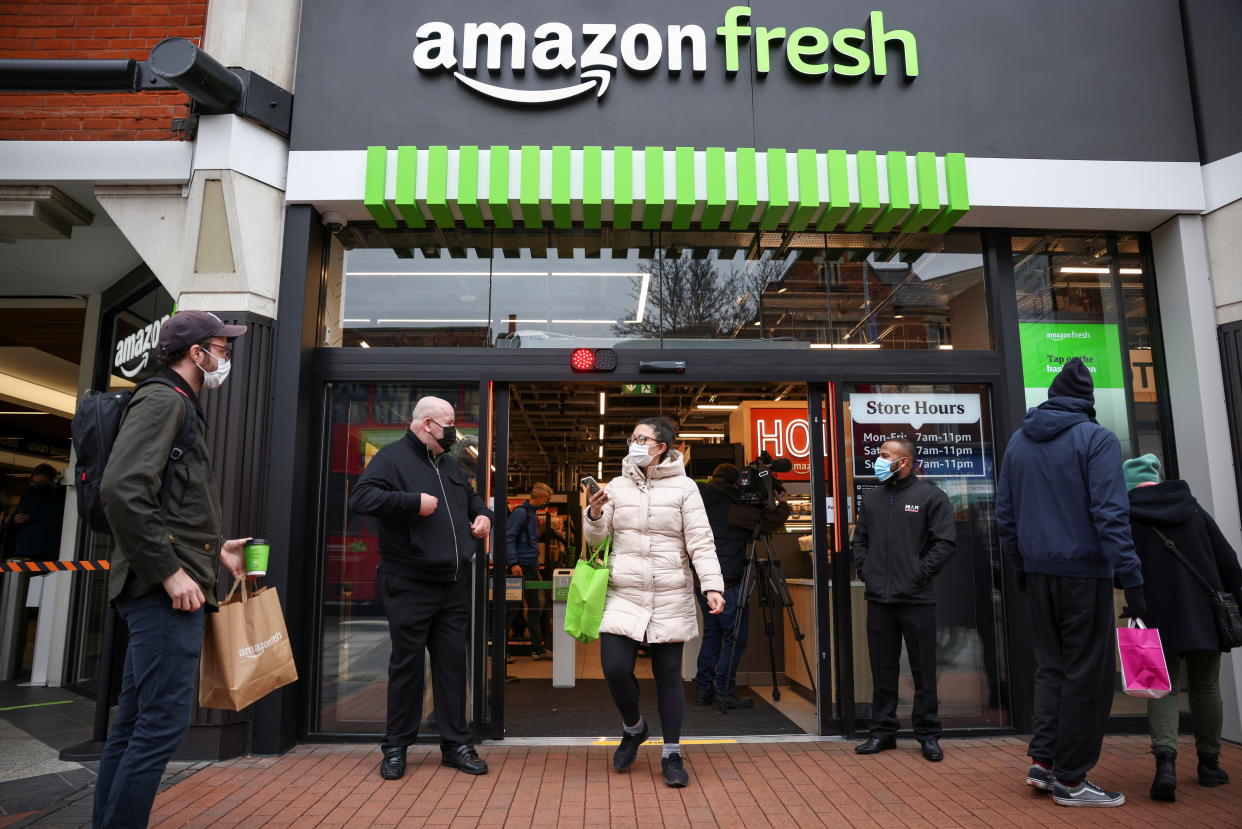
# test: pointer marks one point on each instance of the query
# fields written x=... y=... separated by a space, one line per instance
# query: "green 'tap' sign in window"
x=1047 y=346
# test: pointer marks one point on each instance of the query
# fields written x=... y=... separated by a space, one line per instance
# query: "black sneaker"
x=1085 y=793
x=392 y=767
x=463 y=758
x=704 y=696
x=674 y=774
x=540 y=656
x=733 y=701
x=627 y=752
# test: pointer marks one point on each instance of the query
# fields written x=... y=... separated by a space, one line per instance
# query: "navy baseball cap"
x=186 y=328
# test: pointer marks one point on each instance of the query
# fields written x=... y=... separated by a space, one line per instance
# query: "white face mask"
x=215 y=379
x=638 y=455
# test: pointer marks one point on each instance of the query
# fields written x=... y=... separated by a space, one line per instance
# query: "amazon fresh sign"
x=133 y=353
x=598 y=50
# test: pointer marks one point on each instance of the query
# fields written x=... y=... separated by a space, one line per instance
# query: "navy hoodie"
x=1062 y=508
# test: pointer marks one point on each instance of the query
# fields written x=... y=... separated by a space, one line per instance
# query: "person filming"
x=733 y=524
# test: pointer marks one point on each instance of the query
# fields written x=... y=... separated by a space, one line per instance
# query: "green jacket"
x=153 y=542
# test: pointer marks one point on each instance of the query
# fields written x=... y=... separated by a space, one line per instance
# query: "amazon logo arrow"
x=596 y=79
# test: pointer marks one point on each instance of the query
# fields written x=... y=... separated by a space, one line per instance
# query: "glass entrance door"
x=950 y=428
x=551 y=435
x=354 y=646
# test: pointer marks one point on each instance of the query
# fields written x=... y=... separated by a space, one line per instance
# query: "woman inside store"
x=1181 y=548
x=659 y=529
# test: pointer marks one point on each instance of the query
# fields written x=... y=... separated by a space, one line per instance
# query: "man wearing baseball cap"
x=164 y=510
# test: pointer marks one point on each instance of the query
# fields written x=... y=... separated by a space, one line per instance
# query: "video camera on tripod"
x=758 y=485
x=762 y=571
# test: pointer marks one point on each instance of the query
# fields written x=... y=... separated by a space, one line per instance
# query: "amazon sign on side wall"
x=552 y=48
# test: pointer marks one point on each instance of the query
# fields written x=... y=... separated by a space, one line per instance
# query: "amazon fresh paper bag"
x=246 y=652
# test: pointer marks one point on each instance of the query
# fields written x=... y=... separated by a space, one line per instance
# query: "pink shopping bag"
x=1144 y=672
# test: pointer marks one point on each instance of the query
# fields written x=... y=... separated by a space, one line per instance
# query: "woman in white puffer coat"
x=659 y=527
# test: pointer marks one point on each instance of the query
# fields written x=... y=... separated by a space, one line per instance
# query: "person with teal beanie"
x=1178 y=606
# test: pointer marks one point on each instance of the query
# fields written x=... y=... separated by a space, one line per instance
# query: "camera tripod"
x=763 y=570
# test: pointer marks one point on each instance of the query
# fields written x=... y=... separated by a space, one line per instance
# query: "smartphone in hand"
x=592 y=485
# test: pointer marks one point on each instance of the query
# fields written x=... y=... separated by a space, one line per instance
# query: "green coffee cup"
x=257 y=550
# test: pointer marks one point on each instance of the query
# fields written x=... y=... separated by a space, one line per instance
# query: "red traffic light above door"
x=593 y=359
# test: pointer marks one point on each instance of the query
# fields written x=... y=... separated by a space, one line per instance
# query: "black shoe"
x=674 y=774
x=627 y=752
x=734 y=701
x=1164 y=784
x=932 y=750
x=392 y=767
x=704 y=696
x=1210 y=772
x=540 y=656
x=875 y=745
x=463 y=758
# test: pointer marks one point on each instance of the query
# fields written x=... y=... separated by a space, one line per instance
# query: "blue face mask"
x=884 y=468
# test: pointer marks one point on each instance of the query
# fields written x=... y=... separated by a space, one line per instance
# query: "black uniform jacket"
x=435 y=547
x=903 y=537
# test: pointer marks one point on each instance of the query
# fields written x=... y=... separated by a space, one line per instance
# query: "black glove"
x=1136 y=604
x=1020 y=576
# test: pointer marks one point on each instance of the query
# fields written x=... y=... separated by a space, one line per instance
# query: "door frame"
x=821 y=372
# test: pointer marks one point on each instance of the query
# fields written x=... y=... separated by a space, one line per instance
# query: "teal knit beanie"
x=1141 y=470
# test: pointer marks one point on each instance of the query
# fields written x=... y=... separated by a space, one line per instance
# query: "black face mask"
x=450 y=437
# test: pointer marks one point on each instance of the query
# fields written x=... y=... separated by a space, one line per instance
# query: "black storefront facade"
x=879 y=197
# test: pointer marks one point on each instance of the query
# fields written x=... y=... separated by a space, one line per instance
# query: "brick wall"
x=93 y=29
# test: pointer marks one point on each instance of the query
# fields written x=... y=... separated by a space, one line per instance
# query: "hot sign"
x=783 y=433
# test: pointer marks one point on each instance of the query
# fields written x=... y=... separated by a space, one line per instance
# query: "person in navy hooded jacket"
x=1063 y=513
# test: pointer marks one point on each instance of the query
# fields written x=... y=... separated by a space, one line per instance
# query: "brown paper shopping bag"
x=246 y=652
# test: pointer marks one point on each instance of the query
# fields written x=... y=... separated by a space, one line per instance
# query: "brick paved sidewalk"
x=979 y=784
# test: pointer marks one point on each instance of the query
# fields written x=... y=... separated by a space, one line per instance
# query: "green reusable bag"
x=584 y=609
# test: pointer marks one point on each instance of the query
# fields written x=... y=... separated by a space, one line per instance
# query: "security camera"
x=334 y=222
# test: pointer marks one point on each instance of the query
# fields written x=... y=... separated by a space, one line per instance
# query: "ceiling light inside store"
x=700 y=435
x=602 y=403
x=364 y=344
x=601 y=431
x=601 y=452
x=717 y=407
x=1078 y=269
x=599 y=470
x=946 y=347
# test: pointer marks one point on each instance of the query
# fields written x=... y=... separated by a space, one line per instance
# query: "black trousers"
x=1072 y=634
x=887 y=626
x=426 y=616
x=617 y=655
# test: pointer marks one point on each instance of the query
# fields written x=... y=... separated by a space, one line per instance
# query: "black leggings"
x=618 y=653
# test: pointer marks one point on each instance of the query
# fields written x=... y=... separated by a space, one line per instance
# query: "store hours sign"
x=946 y=430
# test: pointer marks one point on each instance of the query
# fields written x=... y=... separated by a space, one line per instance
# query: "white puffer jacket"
x=659 y=526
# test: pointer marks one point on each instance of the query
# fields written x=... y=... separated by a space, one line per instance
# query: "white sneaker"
x=1038 y=777
x=1085 y=793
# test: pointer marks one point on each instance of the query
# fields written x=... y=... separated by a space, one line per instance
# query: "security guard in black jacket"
x=903 y=537
x=429 y=517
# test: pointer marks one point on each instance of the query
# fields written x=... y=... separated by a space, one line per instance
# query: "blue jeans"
x=714 y=674
x=153 y=711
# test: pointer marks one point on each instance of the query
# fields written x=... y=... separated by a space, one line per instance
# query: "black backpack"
x=95 y=428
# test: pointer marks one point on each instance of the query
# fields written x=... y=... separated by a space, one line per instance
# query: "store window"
x=1086 y=296
x=353 y=661
x=624 y=288
x=950 y=426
